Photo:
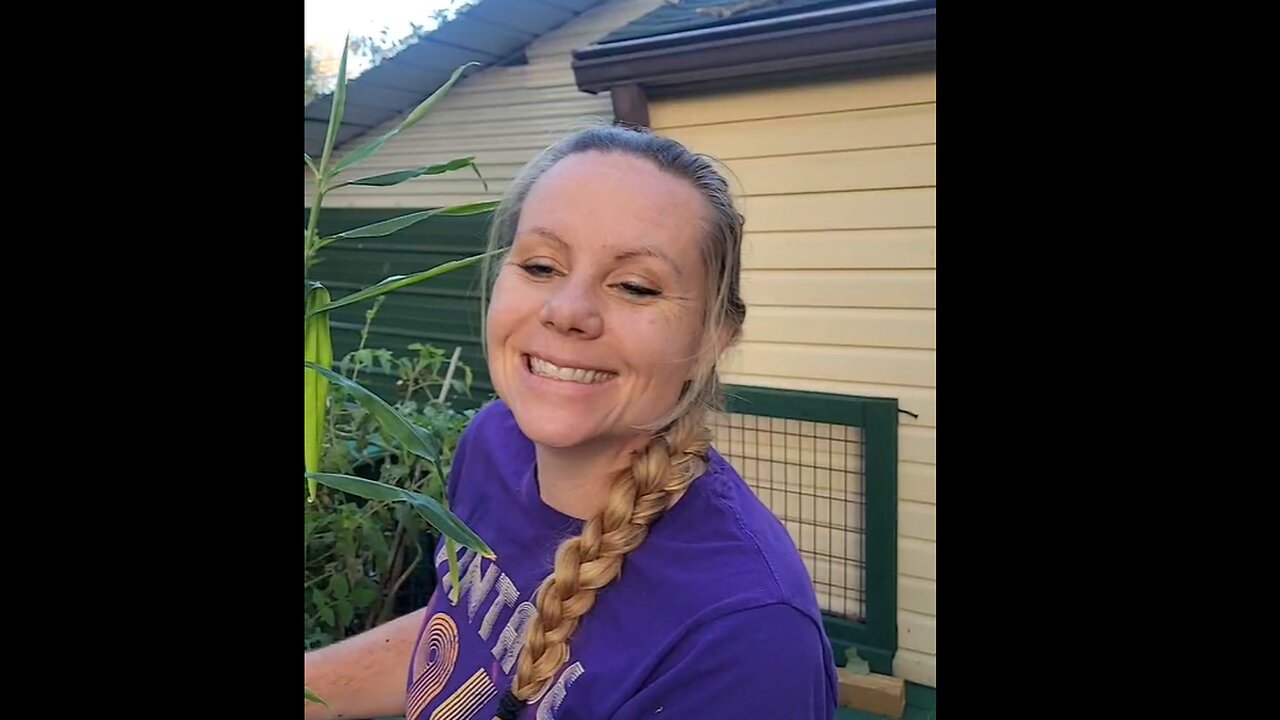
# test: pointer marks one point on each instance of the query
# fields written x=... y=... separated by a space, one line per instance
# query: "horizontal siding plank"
x=419 y=145
x=917 y=632
x=503 y=128
x=834 y=132
x=899 y=167
x=464 y=183
x=819 y=97
x=836 y=600
x=893 y=328
x=918 y=444
x=917 y=482
x=842 y=210
x=457 y=181
x=443 y=114
x=774 y=427
x=918 y=596
x=889 y=366
x=811 y=447
x=370 y=201
x=841 y=288
x=920 y=668
x=493 y=163
x=829 y=249
x=841 y=517
x=843 y=576
x=918 y=520
x=551 y=71
x=834 y=475
x=921 y=401
x=481 y=96
x=549 y=75
x=918 y=558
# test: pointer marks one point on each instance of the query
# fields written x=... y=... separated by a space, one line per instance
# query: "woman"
x=636 y=575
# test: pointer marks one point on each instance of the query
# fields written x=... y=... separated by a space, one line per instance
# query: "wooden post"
x=879 y=694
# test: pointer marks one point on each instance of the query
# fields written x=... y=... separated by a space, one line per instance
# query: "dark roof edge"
x=880 y=32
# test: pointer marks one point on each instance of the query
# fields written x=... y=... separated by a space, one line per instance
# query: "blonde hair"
x=676 y=453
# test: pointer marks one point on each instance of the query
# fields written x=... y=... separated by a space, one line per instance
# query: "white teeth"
x=578 y=375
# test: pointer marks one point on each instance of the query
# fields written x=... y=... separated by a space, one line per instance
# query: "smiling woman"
x=636 y=572
x=578 y=291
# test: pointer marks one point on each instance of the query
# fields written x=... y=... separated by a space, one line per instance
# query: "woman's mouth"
x=584 y=376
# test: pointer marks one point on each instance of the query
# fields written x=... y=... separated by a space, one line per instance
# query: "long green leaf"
x=395 y=282
x=312 y=697
x=410 y=436
x=395 y=178
x=454 y=586
x=335 y=112
x=418 y=113
x=318 y=350
x=425 y=106
x=361 y=487
x=386 y=227
x=443 y=520
x=311 y=164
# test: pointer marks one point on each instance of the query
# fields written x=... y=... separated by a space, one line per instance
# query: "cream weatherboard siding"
x=502 y=116
x=838 y=184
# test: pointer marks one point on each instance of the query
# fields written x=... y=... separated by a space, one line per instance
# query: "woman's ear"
x=725 y=338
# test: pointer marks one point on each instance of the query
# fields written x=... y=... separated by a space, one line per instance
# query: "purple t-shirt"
x=713 y=617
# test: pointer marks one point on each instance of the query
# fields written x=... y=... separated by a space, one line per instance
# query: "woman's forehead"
x=617 y=197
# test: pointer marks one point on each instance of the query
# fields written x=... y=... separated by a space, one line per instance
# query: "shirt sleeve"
x=770 y=662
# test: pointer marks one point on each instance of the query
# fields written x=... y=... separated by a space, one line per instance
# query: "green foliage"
x=361 y=554
x=375 y=470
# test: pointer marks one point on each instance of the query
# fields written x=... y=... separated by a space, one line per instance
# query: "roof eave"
x=884 y=33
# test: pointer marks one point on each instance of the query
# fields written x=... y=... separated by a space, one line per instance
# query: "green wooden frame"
x=876 y=637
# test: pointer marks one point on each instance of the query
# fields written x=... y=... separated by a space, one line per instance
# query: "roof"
x=687 y=42
x=490 y=32
x=694 y=14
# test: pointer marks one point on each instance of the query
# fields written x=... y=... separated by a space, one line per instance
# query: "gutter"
x=872 y=34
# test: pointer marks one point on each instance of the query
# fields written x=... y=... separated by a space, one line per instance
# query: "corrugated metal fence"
x=443 y=311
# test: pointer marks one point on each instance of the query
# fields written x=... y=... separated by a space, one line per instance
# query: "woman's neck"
x=576 y=481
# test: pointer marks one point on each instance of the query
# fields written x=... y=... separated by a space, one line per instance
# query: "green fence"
x=827 y=465
x=443 y=311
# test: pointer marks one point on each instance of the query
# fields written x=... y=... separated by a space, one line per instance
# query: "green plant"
x=419 y=443
x=360 y=554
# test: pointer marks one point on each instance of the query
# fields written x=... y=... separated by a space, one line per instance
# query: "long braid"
x=584 y=564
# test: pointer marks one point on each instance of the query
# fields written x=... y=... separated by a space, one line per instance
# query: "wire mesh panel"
x=811 y=475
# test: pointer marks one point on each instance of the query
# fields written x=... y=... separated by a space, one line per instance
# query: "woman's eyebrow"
x=641 y=251
x=649 y=251
x=549 y=234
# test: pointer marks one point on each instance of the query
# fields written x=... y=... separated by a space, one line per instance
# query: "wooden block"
x=879 y=694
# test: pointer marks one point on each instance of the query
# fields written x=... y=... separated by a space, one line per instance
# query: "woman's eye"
x=538 y=270
x=639 y=290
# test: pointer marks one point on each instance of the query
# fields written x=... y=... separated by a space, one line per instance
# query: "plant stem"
x=364 y=332
x=448 y=376
x=313 y=220
x=315 y=580
x=390 y=606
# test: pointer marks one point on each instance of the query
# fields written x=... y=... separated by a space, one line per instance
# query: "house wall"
x=838 y=184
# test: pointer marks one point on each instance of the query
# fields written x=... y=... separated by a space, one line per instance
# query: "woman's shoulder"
x=745 y=550
x=492 y=429
x=491 y=444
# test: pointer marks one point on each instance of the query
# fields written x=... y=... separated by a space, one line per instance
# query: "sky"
x=327 y=22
